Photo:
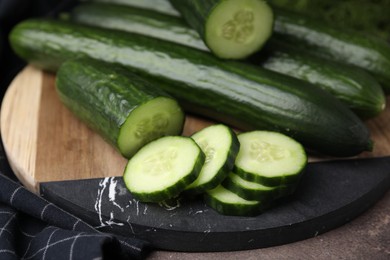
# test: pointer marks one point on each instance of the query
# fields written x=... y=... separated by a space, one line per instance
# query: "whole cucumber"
x=232 y=92
x=353 y=86
x=316 y=37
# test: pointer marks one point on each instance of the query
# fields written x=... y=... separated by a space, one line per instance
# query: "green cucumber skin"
x=262 y=195
x=163 y=6
x=234 y=209
x=196 y=12
x=102 y=96
x=205 y=84
x=369 y=16
x=137 y=20
x=353 y=86
x=317 y=38
x=373 y=53
x=223 y=172
x=277 y=181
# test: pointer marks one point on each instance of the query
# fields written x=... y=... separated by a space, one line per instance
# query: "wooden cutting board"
x=49 y=149
x=45 y=142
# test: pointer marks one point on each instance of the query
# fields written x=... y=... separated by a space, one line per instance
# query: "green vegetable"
x=125 y=109
x=270 y=158
x=220 y=145
x=163 y=168
x=229 y=203
x=350 y=47
x=255 y=191
x=230 y=92
x=138 y=20
x=371 y=17
x=356 y=88
x=231 y=29
x=163 y=6
x=330 y=41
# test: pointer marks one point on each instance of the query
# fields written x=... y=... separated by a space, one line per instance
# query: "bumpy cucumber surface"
x=125 y=109
x=138 y=20
x=369 y=16
x=231 y=92
x=353 y=86
x=163 y=6
x=269 y=158
x=351 y=47
x=220 y=145
x=231 y=29
x=163 y=168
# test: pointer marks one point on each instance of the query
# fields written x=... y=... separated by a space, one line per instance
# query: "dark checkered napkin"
x=30 y=227
x=33 y=228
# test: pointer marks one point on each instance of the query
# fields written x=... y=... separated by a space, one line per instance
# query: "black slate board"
x=330 y=194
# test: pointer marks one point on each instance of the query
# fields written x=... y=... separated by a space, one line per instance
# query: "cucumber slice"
x=229 y=203
x=231 y=29
x=163 y=168
x=220 y=145
x=269 y=158
x=256 y=191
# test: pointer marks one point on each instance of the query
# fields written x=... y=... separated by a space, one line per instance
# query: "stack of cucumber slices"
x=238 y=175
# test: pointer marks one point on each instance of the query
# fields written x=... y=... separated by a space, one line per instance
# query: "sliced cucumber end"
x=236 y=29
x=269 y=157
x=158 y=117
x=163 y=168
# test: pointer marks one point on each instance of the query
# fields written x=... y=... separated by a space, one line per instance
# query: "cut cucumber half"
x=158 y=117
x=229 y=203
x=163 y=168
x=220 y=145
x=236 y=29
x=125 y=109
x=269 y=158
x=255 y=191
x=231 y=29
